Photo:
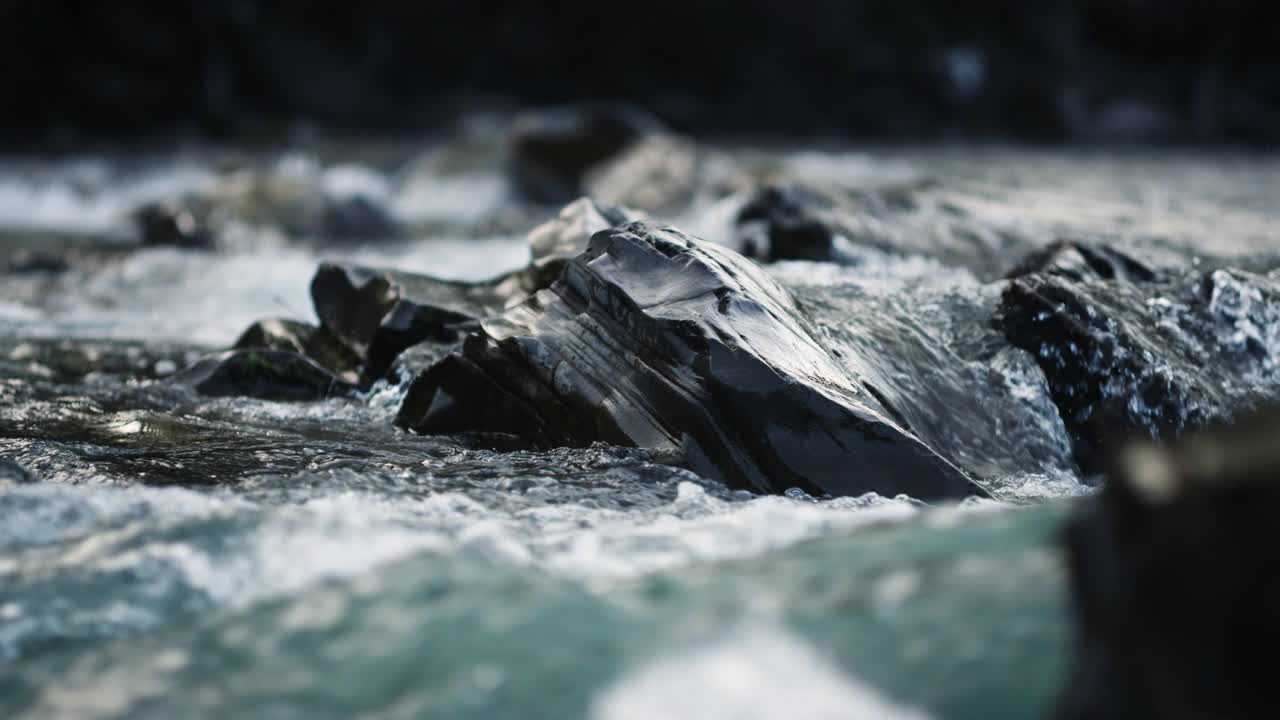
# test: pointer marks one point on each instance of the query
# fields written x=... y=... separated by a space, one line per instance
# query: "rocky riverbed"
x=403 y=429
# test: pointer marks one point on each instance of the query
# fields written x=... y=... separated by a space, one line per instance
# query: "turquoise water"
x=334 y=602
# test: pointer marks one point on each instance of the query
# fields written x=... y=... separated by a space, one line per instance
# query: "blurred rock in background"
x=1175 y=607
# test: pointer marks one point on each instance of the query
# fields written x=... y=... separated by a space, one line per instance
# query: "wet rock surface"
x=1172 y=611
x=319 y=344
x=654 y=339
x=369 y=317
x=265 y=374
x=1148 y=358
x=379 y=313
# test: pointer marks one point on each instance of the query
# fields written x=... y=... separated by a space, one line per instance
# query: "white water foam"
x=758 y=671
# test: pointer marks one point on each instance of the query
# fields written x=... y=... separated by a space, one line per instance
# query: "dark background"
x=247 y=70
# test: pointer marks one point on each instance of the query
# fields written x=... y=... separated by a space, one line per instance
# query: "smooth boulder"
x=654 y=339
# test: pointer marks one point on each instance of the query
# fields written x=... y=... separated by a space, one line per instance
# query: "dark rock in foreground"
x=551 y=152
x=654 y=339
x=1175 y=604
x=264 y=374
x=1151 y=359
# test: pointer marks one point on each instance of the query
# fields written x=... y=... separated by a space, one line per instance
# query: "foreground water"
x=166 y=555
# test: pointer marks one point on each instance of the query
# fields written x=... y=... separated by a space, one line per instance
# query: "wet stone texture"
x=654 y=339
x=1151 y=358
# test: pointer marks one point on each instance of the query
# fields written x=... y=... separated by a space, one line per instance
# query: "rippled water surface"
x=166 y=555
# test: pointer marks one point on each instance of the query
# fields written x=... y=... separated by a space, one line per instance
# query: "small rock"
x=172 y=224
x=318 y=344
x=380 y=313
x=550 y=153
x=265 y=374
x=788 y=222
x=37 y=261
x=355 y=218
x=13 y=473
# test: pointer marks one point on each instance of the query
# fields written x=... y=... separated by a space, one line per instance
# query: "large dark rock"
x=1174 y=599
x=1152 y=359
x=550 y=153
x=654 y=339
x=264 y=374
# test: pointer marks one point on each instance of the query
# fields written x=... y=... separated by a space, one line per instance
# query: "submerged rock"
x=12 y=473
x=550 y=153
x=654 y=339
x=1175 y=616
x=1152 y=359
x=37 y=261
x=264 y=374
